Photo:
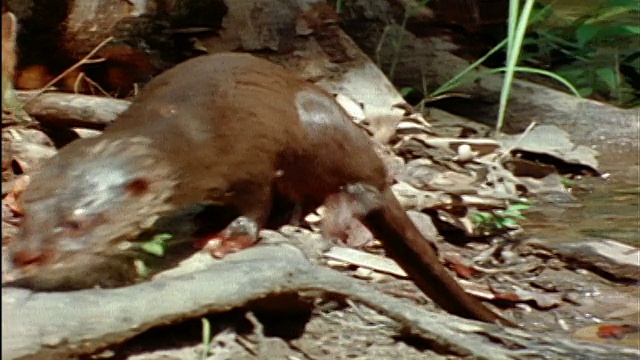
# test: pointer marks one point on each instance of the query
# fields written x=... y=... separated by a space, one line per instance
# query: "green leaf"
x=206 y=338
x=153 y=248
x=157 y=245
x=629 y=4
x=607 y=35
x=608 y=76
x=572 y=72
x=162 y=237
x=141 y=268
x=406 y=91
x=515 y=215
x=586 y=91
x=508 y=222
x=536 y=71
x=608 y=13
x=482 y=217
x=519 y=207
x=552 y=37
x=632 y=29
x=585 y=33
x=457 y=80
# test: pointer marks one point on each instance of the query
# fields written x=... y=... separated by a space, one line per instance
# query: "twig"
x=84 y=60
x=258 y=331
x=385 y=31
x=95 y=85
x=522 y=136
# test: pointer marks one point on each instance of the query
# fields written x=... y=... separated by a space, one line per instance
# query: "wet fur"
x=230 y=129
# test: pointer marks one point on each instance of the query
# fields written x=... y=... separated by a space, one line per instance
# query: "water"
x=608 y=208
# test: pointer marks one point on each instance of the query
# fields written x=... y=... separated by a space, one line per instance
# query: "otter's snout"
x=25 y=257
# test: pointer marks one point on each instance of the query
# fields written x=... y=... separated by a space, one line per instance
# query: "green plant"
x=595 y=46
x=517 y=27
x=157 y=245
x=519 y=18
x=206 y=339
x=601 y=43
x=489 y=222
x=568 y=183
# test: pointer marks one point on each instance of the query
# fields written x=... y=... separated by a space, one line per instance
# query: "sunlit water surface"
x=607 y=209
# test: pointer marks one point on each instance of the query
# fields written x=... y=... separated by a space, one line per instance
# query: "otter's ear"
x=138 y=186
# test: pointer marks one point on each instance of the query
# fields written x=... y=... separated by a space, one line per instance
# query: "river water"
x=606 y=208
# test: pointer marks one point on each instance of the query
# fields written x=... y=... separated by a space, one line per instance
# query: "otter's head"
x=85 y=203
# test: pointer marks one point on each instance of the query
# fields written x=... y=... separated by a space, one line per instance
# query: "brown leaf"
x=616 y=331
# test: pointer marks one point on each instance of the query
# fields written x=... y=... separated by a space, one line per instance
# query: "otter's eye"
x=138 y=187
x=80 y=225
x=73 y=225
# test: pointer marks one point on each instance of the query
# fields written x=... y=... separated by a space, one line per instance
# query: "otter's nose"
x=25 y=257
